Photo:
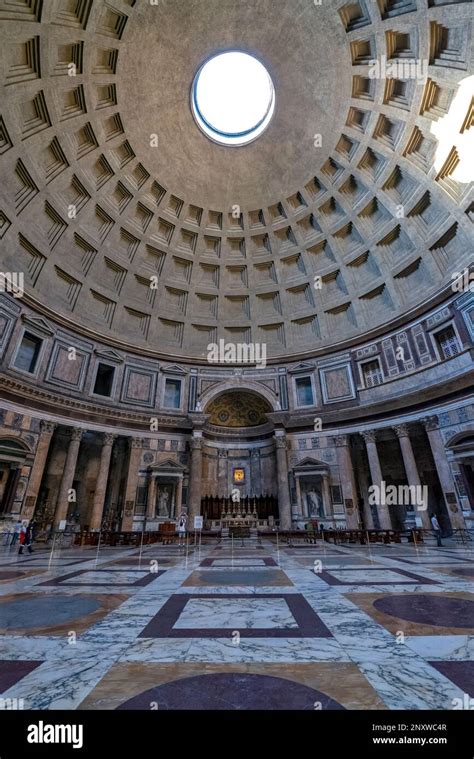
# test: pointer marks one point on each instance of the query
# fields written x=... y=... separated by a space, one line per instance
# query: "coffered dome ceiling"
x=108 y=185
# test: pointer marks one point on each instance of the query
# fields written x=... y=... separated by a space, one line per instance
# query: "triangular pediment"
x=173 y=369
x=302 y=367
x=109 y=355
x=38 y=323
x=168 y=464
x=310 y=463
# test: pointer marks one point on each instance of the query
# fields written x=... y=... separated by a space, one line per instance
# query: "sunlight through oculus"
x=233 y=98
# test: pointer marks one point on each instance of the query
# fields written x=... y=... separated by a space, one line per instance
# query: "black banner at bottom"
x=84 y=733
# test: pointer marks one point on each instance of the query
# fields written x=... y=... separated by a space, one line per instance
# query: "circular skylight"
x=233 y=98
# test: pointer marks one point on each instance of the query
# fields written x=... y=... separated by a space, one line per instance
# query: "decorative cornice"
x=198 y=419
x=104 y=413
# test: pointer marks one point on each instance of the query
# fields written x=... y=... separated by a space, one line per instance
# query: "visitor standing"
x=182 y=529
x=25 y=539
x=436 y=529
x=16 y=532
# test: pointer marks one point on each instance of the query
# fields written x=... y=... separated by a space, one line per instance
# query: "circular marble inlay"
x=464 y=571
x=45 y=611
x=228 y=691
x=429 y=609
x=10 y=574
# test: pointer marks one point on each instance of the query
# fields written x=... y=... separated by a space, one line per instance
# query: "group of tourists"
x=23 y=533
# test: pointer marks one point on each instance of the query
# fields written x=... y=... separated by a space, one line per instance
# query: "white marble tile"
x=30 y=647
x=235 y=613
x=442 y=647
x=163 y=650
x=64 y=682
x=266 y=650
x=355 y=576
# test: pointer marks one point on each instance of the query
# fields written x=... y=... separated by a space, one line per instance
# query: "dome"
x=347 y=214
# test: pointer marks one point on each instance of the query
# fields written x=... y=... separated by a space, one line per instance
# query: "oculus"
x=233 y=98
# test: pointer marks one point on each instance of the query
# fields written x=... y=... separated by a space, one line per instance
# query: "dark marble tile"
x=461 y=673
x=232 y=691
x=12 y=671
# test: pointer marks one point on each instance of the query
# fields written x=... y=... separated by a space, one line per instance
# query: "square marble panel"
x=241 y=613
x=228 y=576
x=256 y=612
x=335 y=562
x=430 y=560
x=372 y=576
x=44 y=562
x=116 y=577
x=142 y=562
x=254 y=561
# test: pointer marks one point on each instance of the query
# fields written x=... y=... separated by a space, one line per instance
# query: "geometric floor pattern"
x=311 y=627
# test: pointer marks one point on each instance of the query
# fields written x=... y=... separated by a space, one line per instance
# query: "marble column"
x=101 y=482
x=132 y=482
x=348 y=483
x=327 y=500
x=37 y=470
x=67 y=479
x=255 y=477
x=284 y=504
x=377 y=476
x=195 y=481
x=151 y=500
x=12 y=486
x=411 y=470
x=179 y=497
x=431 y=425
x=299 y=499
x=222 y=479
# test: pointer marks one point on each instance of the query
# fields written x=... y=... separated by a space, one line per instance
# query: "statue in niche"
x=164 y=502
x=315 y=504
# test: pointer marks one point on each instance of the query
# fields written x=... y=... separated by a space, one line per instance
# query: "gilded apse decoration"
x=238 y=409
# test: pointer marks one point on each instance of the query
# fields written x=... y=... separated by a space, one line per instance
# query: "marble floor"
x=255 y=627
